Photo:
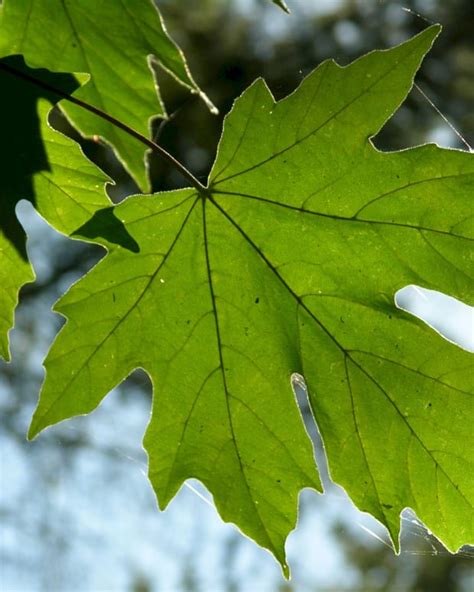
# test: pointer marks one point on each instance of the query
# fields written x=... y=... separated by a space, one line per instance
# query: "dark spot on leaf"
x=278 y=480
x=387 y=506
x=257 y=300
x=188 y=321
x=104 y=224
x=341 y=319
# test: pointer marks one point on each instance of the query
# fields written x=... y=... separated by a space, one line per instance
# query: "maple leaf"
x=81 y=36
x=289 y=262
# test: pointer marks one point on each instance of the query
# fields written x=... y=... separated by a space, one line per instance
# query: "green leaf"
x=224 y=411
x=88 y=36
x=289 y=262
x=42 y=166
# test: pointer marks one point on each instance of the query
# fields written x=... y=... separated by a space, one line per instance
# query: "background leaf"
x=42 y=166
x=87 y=36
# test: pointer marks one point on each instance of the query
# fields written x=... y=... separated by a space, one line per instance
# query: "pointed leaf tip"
x=33 y=431
x=282 y=5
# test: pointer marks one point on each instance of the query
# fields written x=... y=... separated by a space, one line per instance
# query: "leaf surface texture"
x=290 y=263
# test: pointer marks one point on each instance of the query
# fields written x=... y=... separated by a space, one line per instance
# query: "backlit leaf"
x=113 y=43
x=289 y=262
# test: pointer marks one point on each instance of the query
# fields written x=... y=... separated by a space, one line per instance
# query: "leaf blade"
x=369 y=225
x=255 y=474
x=283 y=267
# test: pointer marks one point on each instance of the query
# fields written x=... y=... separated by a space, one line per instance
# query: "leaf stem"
x=116 y=122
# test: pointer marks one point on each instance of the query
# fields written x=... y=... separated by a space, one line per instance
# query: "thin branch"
x=116 y=122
